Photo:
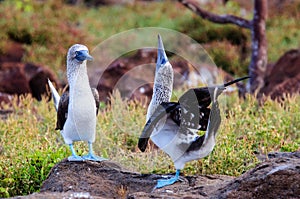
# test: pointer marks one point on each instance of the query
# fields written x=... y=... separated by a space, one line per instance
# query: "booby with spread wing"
x=173 y=127
x=77 y=108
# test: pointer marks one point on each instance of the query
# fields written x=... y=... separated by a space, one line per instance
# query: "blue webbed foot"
x=75 y=158
x=91 y=156
x=165 y=182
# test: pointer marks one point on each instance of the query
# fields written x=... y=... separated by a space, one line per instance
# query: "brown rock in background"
x=283 y=77
x=17 y=78
x=21 y=78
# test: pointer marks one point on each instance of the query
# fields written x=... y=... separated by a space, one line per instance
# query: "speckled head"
x=78 y=53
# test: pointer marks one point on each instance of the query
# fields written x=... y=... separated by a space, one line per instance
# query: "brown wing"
x=62 y=111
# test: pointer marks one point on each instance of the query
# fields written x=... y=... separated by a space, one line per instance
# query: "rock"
x=117 y=70
x=283 y=77
x=21 y=78
x=107 y=179
x=284 y=155
x=12 y=52
x=278 y=177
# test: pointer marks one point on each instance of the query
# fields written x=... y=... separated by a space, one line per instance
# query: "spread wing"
x=196 y=119
x=63 y=104
x=212 y=128
x=191 y=117
x=190 y=114
x=162 y=110
x=203 y=96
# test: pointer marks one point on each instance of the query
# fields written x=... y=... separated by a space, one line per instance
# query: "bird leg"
x=91 y=156
x=74 y=156
x=164 y=182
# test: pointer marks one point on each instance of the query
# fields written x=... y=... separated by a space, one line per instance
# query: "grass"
x=30 y=145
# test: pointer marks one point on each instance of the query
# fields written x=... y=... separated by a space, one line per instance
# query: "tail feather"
x=236 y=80
x=55 y=94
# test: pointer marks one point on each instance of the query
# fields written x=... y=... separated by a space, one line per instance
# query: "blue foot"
x=75 y=158
x=93 y=157
x=165 y=182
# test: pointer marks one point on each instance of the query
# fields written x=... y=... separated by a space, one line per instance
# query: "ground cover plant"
x=30 y=146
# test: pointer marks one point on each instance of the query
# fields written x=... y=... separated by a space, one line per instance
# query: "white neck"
x=78 y=79
x=77 y=72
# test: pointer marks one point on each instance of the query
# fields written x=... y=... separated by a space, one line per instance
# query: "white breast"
x=81 y=120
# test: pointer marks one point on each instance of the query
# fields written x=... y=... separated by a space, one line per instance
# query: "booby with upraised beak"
x=77 y=108
x=173 y=127
x=163 y=80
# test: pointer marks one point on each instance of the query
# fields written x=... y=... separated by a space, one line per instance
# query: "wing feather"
x=163 y=109
x=97 y=99
x=62 y=111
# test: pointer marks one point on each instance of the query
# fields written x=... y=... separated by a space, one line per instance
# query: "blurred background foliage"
x=48 y=28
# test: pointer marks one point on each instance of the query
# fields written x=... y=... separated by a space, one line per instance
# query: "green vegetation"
x=30 y=146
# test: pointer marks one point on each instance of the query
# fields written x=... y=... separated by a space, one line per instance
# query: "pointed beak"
x=89 y=57
x=161 y=54
x=82 y=55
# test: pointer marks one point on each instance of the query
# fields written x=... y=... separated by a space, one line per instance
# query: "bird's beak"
x=161 y=54
x=89 y=57
x=82 y=55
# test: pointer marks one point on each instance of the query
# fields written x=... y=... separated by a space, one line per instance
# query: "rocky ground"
x=276 y=177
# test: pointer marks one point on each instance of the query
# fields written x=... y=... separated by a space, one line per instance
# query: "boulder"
x=21 y=78
x=109 y=180
x=283 y=77
x=17 y=77
x=277 y=177
x=12 y=52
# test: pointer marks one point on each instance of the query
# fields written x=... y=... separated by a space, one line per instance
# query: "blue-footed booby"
x=173 y=127
x=163 y=80
x=77 y=108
